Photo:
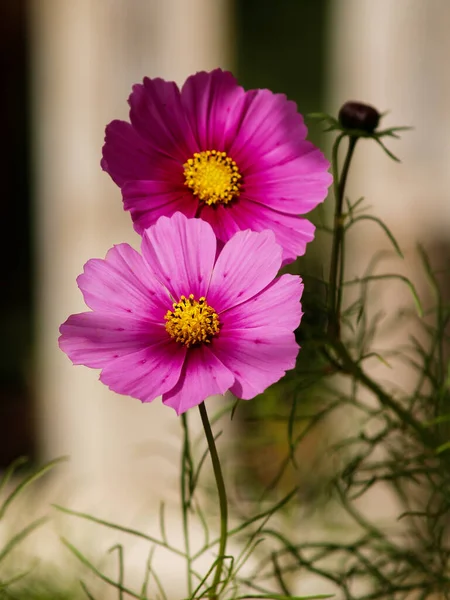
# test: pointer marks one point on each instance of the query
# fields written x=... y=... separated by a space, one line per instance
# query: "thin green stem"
x=186 y=474
x=337 y=259
x=353 y=369
x=222 y=498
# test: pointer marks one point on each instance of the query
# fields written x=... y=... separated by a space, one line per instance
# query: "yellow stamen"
x=213 y=177
x=192 y=321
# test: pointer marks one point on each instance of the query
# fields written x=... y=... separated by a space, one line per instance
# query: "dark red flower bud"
x=356 y=115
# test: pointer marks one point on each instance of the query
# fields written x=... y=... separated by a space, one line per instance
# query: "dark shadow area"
x=16 y=436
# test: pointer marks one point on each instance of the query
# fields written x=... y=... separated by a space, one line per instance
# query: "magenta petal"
x=157 y=114
x=294 y=187
x=210 y=101
x=278 y=304
x=126 y=155
x=247 y=263
x=159 y=192
x=181 y=254
x=257 y=357
x=97 y=339
x=123 y=285
x=221 y=220
x=269 y=121
x=148 y=373
x=203 y=375
x=147 y=201
x=292 y=233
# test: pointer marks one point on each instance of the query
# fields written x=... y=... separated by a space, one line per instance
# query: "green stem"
x=186 y=474
x=353 y=369
x=222 y=498
x=336 y=263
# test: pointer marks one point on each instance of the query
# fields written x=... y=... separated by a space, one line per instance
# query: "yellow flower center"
x=192 y=321
x=213 y=177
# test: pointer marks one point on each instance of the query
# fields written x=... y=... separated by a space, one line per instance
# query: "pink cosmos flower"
x=176 y=321
x=239 y=160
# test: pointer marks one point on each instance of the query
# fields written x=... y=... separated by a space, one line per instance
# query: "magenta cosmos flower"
x=239 y=160
x=176 y=321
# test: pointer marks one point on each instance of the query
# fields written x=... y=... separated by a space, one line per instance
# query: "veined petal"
x=296 y=186
x=247 y=263
x=203 y=375
x=269 y=121
x=95 y=339
x=221 y=220
x=148 y=373
x=291 y=232
x=157 y=114
x=181 y=254
x=126 y=155
x=257 y=357
x=278 y=304
x=123 y=285
x=210 y=101
x=147 y=201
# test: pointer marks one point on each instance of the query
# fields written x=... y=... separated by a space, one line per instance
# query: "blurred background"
x=67 y=69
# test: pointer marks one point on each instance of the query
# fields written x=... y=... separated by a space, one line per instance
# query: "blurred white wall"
x=395 y=55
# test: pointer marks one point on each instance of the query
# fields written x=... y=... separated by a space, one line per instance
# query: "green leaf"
x=378 y=357
x=437 y=421
x=283 y=597
x=443 y=448
x=85 y=561
x=86 y=591
x=22 y=460
x=134 y=532
x=23 y=533
x=383 y=227
x=14 y=579
x=28 y=481
x=162 y=523
x=388 y=276
x=388 y=152
x=119 y=549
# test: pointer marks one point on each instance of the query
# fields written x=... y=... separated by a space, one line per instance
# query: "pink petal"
x=181 y=253
x=268 y=121
x=246 y=265
x=278 y=304
x=161 y=192
x=148 y=373
x=122 y=284
x=257 y=357
x=203 y=375
x=210 y=101
x=296 y=186
x=147 y=201
x=292 y=233
x=158 y=116
x=97 y=339
x=221 y=220
x=126 y=155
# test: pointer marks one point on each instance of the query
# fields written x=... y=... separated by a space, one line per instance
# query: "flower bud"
x=356 y=115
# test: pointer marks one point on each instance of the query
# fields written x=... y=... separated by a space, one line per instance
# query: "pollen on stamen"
x=213 y=176
x=192 y=322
